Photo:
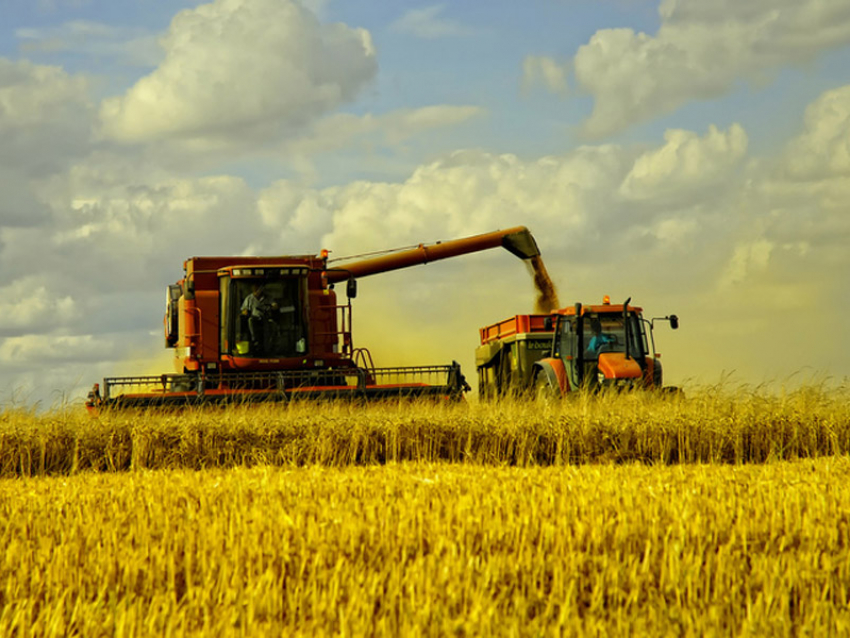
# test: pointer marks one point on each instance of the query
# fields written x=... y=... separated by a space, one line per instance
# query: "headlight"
x=600 y=377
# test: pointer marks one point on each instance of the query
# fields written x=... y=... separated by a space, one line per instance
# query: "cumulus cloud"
x=295 y=218
x=822 y=151
x=805 y=194
x=125 y=233
x=686 y=165
x=747 y=258
x=50 y=349
x=238 y=72
x=27 y=305
x=368 y=131
x=45 y=122
x=50 y=6
x=90 y=285
x=694 y=225
x=132 y=46
x=587 y=202
x=544 y=71
x=45 y=116
x=428 y=23
x=700 y=51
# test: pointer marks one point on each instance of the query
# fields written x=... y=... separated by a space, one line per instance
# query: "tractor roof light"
x=606 y=300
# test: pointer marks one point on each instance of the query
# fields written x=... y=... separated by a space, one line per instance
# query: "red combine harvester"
x=594 y=347
x=247 y=329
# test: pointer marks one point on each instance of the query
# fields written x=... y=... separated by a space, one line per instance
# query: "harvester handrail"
x=344 y=328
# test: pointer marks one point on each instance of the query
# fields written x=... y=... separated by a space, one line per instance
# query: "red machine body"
x=270 y=328
x=207 y=328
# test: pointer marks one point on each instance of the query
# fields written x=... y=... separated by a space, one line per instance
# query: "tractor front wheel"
x=543 y=390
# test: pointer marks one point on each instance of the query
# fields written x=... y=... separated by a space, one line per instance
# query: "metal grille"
x=444 y=378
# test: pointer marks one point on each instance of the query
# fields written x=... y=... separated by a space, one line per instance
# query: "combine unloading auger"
x=248 y=329
x=518 y=241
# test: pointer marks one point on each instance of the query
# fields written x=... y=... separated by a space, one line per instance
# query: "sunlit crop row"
x=707 y=426
x=430 y=549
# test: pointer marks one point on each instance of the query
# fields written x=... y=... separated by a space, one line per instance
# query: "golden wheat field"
x=720 y=514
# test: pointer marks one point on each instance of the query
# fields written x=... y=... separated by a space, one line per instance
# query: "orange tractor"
x=594 y=347
x=270 y=328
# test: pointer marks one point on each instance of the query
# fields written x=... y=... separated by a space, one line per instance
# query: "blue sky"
x=691 y=155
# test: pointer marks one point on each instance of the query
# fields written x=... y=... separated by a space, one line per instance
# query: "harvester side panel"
x=206 y=302
x=324 y=328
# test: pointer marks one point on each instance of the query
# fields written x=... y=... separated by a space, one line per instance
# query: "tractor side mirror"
x=351 y=289
x=674 y=322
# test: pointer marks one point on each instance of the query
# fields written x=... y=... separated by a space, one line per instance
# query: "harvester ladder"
x=363 y=359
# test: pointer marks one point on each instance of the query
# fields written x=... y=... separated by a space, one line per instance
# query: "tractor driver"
x=599 y=340
x=258 y=310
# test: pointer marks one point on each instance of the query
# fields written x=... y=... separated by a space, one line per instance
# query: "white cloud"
x=747 y=258
x=339 y=130
x=45 y=122
x=128 y=233
x=694 y=225
x=686 y=165
x=370 y=133
x=295 y=218
x=133 y=46
x=822 y=151
x=700 y=51
x=545 y=71
x=238 y=73
x=428 y=23
x=33 y=97
x=27 y=305
x=585 y=203
x=19 y=205
x=54 y=5
x=48 y=349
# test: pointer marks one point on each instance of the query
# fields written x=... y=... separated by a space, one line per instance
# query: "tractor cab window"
x=607 y=333
x=267 y=317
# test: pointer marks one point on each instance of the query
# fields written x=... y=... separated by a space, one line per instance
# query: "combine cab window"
x=607 y=333
x=266 y=318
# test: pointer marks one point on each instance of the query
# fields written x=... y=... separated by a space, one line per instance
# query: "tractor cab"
x=604 y=332
x=603 y=345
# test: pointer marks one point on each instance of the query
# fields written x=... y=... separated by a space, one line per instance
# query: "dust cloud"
x=547 y=296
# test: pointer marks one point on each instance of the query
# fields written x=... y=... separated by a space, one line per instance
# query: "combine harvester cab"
x=251 y=329
x=592 y=347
